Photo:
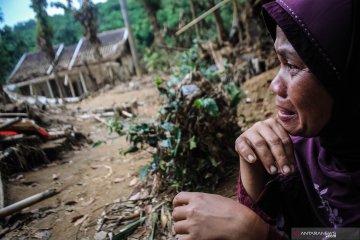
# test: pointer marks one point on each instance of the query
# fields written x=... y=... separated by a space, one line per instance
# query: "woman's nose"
x=278 y=85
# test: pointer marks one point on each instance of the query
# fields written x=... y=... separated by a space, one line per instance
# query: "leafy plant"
x=195 y=130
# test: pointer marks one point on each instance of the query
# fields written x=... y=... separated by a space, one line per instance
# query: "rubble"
x=30 y=137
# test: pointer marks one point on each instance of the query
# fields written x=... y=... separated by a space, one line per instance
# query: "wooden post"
x=67 y=79
x=111 y=75
x=193 y=15
x=59 y=87
x=83 y=84
x=131 y=39
x=31 y=89
x=50 y=89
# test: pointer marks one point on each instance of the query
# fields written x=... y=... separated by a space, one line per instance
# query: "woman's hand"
x=268 y=142
x=200 y=216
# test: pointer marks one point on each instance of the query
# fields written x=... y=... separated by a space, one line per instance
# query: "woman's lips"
x=285 y=115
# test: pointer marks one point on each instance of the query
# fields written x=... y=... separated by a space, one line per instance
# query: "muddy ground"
x=89 y=177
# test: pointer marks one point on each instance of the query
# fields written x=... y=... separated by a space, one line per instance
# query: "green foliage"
x=129 y=229
x=67 y=30
x=11 y=49
x=156 y=61
x=234 y=93
x=209 y=105
x=194 y=132
x=171 y=16
x=115 y=125
x=97 y=143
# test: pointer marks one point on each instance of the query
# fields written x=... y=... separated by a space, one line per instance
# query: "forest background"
x=154 y=23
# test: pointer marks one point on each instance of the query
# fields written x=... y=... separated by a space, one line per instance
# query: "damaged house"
x=77 y=70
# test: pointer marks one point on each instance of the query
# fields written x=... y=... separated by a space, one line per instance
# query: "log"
x=27 y=202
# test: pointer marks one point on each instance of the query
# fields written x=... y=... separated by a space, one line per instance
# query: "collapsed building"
x=76 y=69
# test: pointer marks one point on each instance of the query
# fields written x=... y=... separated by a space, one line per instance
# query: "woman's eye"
x=293 y=69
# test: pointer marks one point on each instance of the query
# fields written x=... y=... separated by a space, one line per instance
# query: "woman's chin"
x=291 y=125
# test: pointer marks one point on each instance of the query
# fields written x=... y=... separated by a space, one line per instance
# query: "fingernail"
x=251 y=158
x=286 y=169
x=273 y=169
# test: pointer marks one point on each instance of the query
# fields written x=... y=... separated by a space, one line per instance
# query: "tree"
x=152 y=7
x=11 y=49
x=1 y=16
x=87 y=17
x=220 y=29
x=44 y=32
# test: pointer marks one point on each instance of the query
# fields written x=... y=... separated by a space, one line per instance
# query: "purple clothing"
x=318 y=30
x=312 y=197
x=325 y=189
x=331 y=189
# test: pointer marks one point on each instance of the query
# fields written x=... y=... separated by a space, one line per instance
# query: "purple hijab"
x=323 y=33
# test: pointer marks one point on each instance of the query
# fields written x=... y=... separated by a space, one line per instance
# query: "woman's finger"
x=286 y=142
x=181 y=227
x=263 y=152
x=276 y=146
x=179 y=213
x=244 y=150
x=181 y=198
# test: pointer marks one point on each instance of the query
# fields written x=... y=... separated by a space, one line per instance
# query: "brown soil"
x=89 y=178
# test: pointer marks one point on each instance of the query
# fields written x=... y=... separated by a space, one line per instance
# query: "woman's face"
x=304 y=106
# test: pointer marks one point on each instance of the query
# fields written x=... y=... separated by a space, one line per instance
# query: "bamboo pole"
x=27 y=202
x=201 y=17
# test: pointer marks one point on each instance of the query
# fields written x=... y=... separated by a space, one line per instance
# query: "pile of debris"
x=30 y=136
x=144 y=215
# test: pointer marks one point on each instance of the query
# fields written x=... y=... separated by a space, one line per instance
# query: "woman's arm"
x=252 y=177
